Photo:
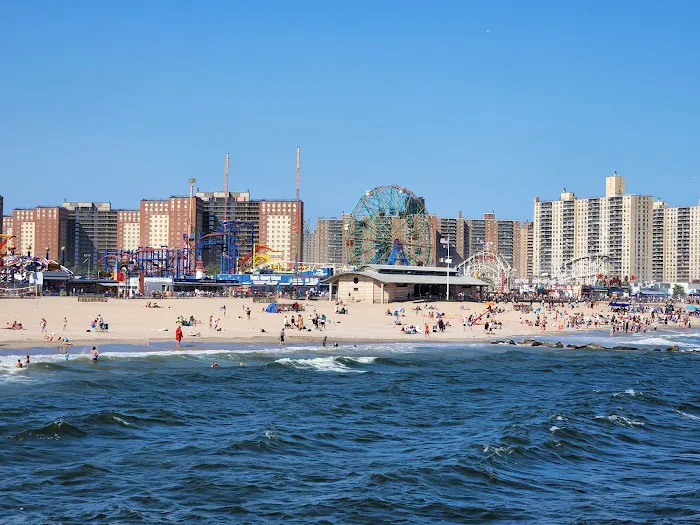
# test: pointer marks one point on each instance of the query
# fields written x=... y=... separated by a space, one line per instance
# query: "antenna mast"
x=226 y=188
x=297 y=218
x=191 y=225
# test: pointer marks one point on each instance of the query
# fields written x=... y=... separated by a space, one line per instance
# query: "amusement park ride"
x=20 y=267
x=177 y=263
x=389 y=225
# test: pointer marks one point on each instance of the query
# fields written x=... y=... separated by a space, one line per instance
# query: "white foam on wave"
x=689 y=416
x=363 y=360
x=629 y=392
x=553 y=428
x=652 y=341
x=622 y=420
x=326 y=364
x=497 y=450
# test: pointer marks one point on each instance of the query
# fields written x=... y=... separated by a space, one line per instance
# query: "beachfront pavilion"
x=379 y=283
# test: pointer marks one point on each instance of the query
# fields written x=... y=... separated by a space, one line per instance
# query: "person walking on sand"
x=65 y=324
x=178 y=337
x=282 y=338
x=426 y=330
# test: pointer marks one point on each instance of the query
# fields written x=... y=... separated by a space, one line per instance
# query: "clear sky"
x=477 y=106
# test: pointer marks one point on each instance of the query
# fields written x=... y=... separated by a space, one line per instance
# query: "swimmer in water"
x=19 y=364
x=215 y=365
x=241 y=364
x=26 y=362
x=67 y=356
x=94 y=354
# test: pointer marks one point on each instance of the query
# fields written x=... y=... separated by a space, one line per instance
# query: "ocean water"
x=403 y=433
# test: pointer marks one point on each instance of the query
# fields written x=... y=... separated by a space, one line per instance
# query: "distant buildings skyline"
x=643 y=238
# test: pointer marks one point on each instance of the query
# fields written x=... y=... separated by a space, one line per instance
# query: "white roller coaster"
x=582 y=270
x=489 y=267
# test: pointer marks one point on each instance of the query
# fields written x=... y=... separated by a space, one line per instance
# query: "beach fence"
x=25 y=292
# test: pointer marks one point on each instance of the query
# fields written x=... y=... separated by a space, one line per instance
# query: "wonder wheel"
x=389 y=226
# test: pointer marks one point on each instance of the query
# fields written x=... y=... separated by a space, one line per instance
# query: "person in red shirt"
x=178 y=337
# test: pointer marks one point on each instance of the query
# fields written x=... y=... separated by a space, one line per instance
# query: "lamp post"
x=448 y=261
x=63 y=255
x=88 y=259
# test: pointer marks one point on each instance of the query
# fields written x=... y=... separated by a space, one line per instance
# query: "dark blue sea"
x=381 y=433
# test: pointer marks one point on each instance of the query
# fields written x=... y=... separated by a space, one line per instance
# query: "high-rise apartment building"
x=277 y=223
x=238 y=208
x=694 y=271
x=128 y=230
x=524 y=268
x=92 y=230
x=42 y=231
x=155 y=223
x=309 y=245
x=329 y=241
x=495 y=235
x=7 y=226
x=456 y=230
x=676 y=243
x=170 y=222
x=658 y=234
x=185 y=219
x=618 y=225
x=471 y=236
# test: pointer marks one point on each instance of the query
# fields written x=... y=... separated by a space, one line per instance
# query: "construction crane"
x=226 y=189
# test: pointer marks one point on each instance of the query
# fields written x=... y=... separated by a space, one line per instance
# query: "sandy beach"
x=132 y=323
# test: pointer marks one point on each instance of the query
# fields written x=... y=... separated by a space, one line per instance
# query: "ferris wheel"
x=389 y=226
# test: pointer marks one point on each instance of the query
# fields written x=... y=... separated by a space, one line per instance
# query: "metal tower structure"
x=297 y=218
x=226 y=189
x=191 y=225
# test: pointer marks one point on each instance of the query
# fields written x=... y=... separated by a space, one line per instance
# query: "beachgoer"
x=19 y=364
x=178 y=337
x=323 y=344
x=282 y=338
x=26 y=362
x=247 y=312
x=65 y=324
x=94 y=354
x=215 y=365
x=241 y=364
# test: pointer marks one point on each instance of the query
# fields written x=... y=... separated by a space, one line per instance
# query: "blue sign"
x=272 y=279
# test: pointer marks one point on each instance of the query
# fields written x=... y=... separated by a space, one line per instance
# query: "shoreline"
x=599 y=337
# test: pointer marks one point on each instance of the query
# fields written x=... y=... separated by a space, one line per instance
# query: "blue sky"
x=477 y=106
